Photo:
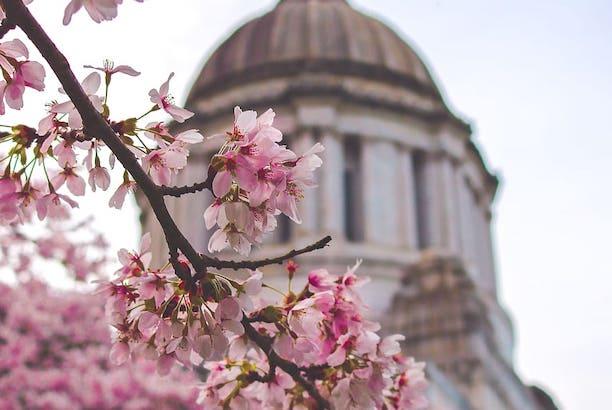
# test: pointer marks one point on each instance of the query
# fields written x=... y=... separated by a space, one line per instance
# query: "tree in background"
x=309 y=348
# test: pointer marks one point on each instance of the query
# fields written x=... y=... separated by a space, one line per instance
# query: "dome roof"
x=327 y=36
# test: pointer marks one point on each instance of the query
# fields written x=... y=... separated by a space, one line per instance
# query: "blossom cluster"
x=322 y=329
x=158 y=318
x=324 y=332
x=46 y=169
x=255 y=180
x=54 y=350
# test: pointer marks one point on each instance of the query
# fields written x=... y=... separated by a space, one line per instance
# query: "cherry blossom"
x=13 y=49
x=90 y=85
x=109 y=69
x=164 y=101
x=54 y=204
x=74 y=182
x=118 y=198
x=99 y=177
x=98 y=10
x=27 y=74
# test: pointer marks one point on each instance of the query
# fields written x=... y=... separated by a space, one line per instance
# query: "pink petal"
x=222 y=183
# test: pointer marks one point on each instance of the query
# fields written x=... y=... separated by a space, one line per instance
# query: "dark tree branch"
x=179 y=191
x=6 y=26
x=265 y=344
x=236 y=265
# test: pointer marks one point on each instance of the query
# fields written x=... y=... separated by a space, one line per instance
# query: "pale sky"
x=533 y=77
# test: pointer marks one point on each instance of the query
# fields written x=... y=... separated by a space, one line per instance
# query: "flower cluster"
x=45 y=169
x=158 y=318
x=255 y=180
x=54 y=355
x=324 y=332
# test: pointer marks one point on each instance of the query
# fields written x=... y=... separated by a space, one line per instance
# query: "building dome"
x=314 y=36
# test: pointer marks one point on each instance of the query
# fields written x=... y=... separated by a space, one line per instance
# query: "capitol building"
x=403 y=187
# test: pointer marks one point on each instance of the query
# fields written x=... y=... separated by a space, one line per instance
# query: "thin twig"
x=179 y=191
x=236 y=265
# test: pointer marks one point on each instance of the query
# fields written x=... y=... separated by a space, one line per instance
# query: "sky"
x=534 y=78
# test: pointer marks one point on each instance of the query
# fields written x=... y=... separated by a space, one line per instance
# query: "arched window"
x=353 y=191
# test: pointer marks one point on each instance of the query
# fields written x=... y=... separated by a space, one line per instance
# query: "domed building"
x=403 y=186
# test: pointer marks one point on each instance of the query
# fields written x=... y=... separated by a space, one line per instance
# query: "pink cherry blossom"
x=135 y=263
x=116 y=201
x=54 y=205
x=65 y=154
x=109 y=69
x=98 y=10
x=74 y=182
x=90 y=86
x=162 y=163
x=99 y=177
x=164 y=101
x=119 y=353
x=234 y=221
x=27 y=74
x=13 y=49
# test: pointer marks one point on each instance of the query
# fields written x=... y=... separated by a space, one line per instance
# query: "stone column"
x=308 y=206
x=474 y=231
x=331 y=205
x=466 y=225
x=380 y=192
x=450 y=217
x=441 y=211
x=407 y=200
x=490 y=256
x=430 y=203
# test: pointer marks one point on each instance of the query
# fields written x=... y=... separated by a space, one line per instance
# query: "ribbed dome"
x=326 y=36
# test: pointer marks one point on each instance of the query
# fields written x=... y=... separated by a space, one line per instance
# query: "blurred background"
x=533 y=81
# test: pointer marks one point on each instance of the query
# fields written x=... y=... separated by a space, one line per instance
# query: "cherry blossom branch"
x=236 y=265
x=94 y=124
x=288 y=367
